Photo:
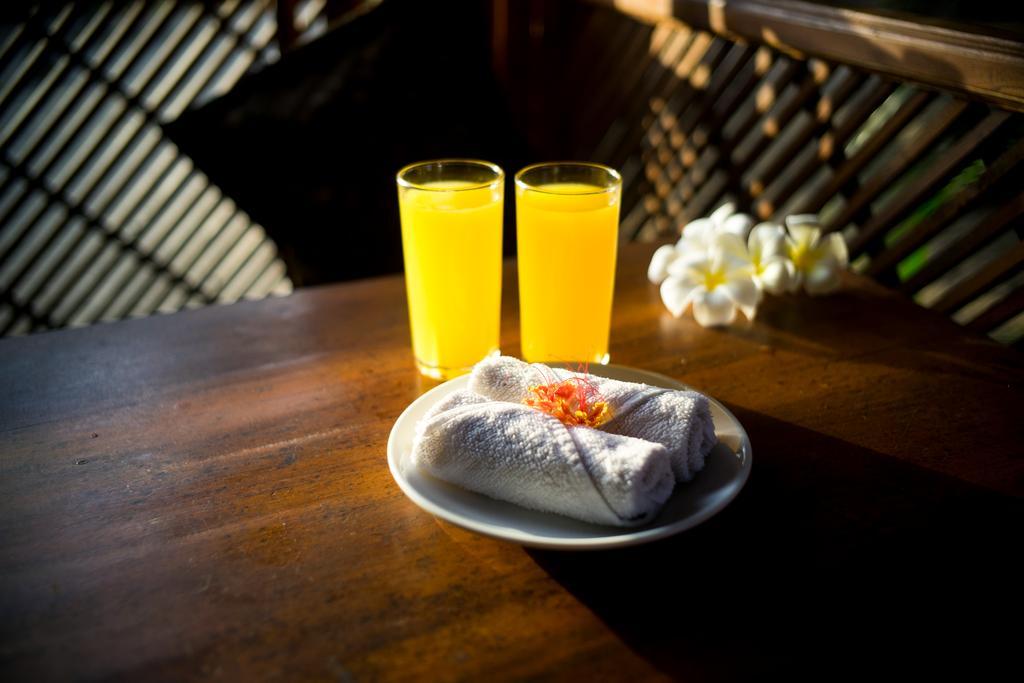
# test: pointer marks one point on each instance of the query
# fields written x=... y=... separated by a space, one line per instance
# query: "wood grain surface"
x=205 y=495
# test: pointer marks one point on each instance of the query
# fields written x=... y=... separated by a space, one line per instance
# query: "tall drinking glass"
x=567 y=220
x=451 y=213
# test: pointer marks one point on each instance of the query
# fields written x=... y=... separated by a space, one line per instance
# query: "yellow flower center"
x=713 y=278
x=802 y=255
x=755 y=262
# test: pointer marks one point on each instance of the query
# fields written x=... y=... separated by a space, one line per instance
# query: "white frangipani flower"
x=726 y=219
x=714 y=284
x=698 y=234
x=724 y=262
x=817 y=259
x=719 y=215
x=765 y=254
x=738 y=224
x=662 y=259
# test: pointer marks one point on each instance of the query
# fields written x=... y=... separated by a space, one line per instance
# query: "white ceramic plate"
x=724 y=474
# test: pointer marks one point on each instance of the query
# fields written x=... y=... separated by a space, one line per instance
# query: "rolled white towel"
x=516 y=453
x=678 y=420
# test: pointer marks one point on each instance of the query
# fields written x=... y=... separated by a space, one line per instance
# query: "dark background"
x=310 y=146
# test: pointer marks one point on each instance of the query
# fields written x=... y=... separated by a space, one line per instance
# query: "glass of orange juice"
x=451 y=212
x=567 y=224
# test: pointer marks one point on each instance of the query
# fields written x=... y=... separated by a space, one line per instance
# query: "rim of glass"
x=616 y=178
x=491 y=166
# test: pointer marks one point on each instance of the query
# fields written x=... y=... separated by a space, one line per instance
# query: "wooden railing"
x=946 y=56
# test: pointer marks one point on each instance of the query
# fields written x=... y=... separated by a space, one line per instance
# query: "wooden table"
x=207 y=495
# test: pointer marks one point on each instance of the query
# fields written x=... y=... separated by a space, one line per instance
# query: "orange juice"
x=567 y=236
x=451 y=239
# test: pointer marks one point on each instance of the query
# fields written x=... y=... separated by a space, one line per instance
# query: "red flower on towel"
x=575 y=401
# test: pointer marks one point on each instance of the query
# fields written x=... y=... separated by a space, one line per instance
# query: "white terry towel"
x=519 y=454
x=679 y=420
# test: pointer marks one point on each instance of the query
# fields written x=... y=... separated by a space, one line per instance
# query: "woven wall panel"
x=101 y=216
x=924 y=185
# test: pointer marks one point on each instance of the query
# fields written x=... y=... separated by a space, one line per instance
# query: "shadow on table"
x=833 y=556
x=843 y=328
